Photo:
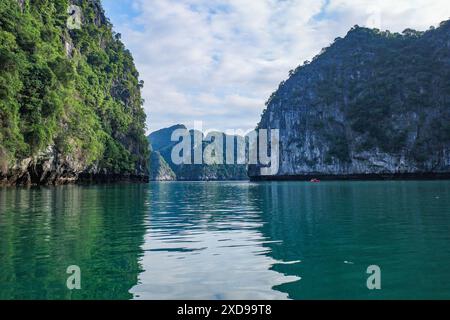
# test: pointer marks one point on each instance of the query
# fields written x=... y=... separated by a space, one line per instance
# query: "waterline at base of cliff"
x=357 y=177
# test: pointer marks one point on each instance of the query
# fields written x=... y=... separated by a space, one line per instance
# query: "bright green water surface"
x=227 y=240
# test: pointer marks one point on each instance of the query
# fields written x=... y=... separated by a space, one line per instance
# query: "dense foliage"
x=75 y=90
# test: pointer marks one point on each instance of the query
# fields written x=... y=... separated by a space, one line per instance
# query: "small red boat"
x=315 y=180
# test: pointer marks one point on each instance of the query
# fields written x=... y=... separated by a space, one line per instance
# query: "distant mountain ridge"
x=162 y=168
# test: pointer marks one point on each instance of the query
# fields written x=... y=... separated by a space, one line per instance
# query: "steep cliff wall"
x=373 y=104
x=159 y=169
x=70 y=103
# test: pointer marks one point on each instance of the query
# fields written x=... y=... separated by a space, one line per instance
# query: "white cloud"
x=218 y=61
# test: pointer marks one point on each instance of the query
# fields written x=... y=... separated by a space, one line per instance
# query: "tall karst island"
x=373 y=105
x=70 y=101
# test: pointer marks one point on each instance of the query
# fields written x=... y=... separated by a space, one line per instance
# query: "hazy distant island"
x=162 y=167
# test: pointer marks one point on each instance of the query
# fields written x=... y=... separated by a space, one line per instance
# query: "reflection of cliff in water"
x=314 y=227
x=328 y=234
x=43 y=231
x=227 y=240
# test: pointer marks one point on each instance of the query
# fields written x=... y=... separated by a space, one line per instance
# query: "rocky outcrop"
x=75 y=115
x=159 y=169
x=372 y=105
x=51 y=168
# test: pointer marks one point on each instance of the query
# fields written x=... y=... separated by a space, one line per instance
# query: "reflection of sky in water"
x=208 y=265
x=202 y=251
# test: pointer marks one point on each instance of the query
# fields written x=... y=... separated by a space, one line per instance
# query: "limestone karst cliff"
x=70 y=102
x=373 y=104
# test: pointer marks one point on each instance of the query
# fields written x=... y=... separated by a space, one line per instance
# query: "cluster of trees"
x=84 y=100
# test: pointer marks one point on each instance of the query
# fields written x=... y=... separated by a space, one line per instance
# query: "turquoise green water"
x=227 y=240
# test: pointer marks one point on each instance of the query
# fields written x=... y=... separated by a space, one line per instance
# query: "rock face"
x=159 y=169
x=374 y=104
x=21 y=4
x=162 y=168
x=52 y=168
x=70 y=102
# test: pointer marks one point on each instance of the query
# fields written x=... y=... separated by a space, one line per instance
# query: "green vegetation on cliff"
x=76 y=91
x=374 y=102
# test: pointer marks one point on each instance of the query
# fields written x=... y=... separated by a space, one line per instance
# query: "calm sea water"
x=227 y=240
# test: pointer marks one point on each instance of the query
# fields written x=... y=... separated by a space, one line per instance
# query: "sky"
x=218 y=61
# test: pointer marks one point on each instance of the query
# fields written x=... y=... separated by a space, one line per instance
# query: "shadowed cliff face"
x=372 y=103
x=70 y=102
x=159 y=169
